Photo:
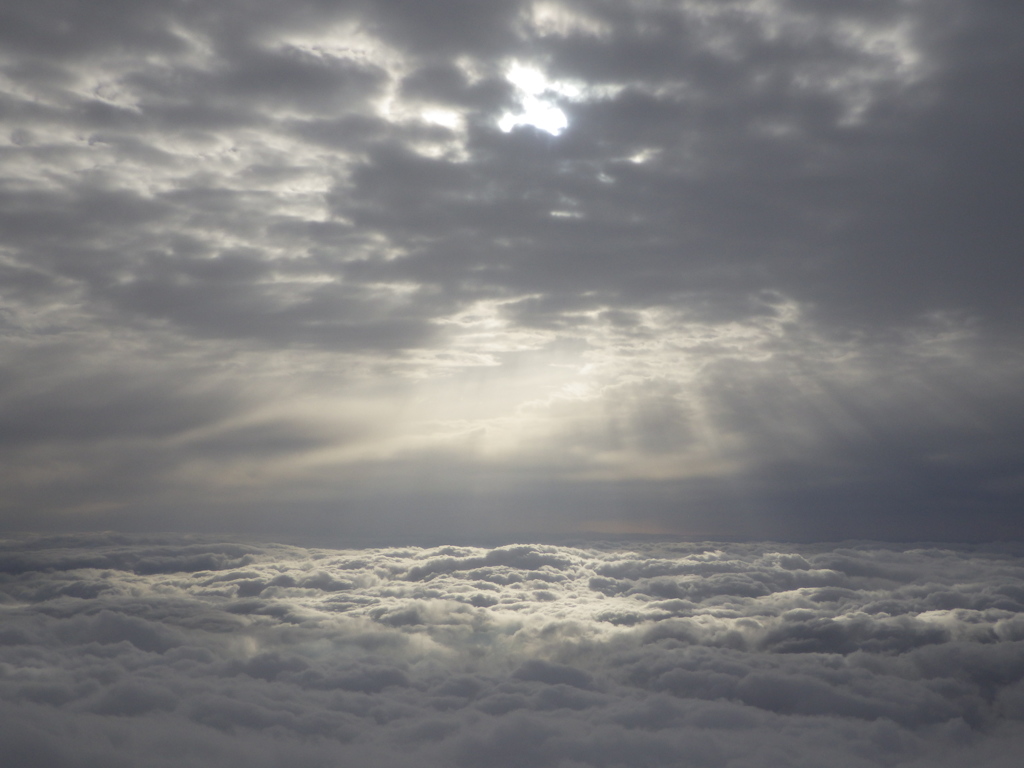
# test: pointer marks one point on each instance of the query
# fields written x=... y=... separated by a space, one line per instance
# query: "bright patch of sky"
x=537 y=107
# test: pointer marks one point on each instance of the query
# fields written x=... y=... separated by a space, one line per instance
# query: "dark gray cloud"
x=161 y=651
x=731 y=268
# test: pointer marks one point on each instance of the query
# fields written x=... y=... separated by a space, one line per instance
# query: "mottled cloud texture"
x=375 y=268
x=119 y=651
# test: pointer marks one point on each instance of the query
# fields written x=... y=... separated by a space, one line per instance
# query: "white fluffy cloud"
x=159 y=652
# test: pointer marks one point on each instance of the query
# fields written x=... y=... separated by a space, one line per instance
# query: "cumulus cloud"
x=155 y=651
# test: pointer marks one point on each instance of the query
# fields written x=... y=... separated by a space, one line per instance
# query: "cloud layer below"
x=120 y=651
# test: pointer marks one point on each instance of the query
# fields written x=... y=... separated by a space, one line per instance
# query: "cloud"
x=764 y=282
x=160 y=650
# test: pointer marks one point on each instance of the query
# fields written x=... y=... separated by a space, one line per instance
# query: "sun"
x=536 y=106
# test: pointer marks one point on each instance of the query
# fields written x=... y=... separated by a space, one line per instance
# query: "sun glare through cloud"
x=536 y=102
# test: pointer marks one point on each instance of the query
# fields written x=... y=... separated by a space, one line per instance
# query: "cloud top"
x=159 y=651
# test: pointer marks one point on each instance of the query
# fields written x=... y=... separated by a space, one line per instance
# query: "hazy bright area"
x=169 y=651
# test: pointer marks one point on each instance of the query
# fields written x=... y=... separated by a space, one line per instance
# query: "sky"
x=394 y=270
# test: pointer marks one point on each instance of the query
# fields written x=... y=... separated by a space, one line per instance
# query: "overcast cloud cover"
x=408 y=283
x=118 y=651
x=386 y=268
